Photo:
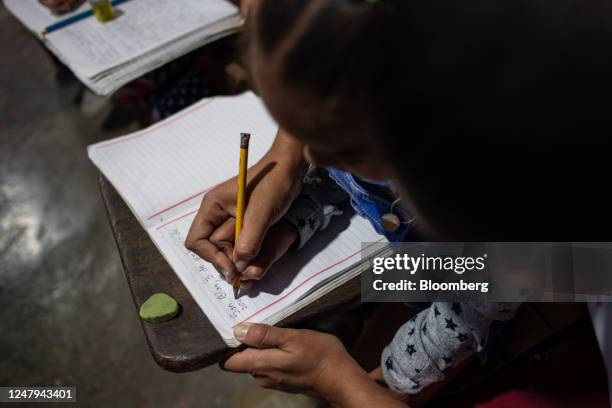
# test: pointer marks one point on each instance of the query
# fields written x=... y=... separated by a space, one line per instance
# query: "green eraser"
x=158 y=308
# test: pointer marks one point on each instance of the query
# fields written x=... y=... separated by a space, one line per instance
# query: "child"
x=390 y=89
x=61 y=6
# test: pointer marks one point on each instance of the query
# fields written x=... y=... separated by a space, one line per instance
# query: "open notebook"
x=163 y=172
x=145 y=35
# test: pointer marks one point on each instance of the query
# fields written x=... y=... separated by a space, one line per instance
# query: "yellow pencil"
x=241 y=200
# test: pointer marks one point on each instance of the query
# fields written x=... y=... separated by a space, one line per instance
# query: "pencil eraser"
x=158 y=308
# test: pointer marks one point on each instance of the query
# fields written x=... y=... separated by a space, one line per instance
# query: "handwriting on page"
x=210 y=281
x=292 y=277
x=141 y=26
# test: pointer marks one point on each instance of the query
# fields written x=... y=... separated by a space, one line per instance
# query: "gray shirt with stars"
x=436 y=339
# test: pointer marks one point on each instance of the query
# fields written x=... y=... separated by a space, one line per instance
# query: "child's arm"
x=429 y=392
x=306 y=361
x=320 y=199
x=437 y=339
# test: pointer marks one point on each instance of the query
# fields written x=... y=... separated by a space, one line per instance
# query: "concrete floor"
x=66 y=317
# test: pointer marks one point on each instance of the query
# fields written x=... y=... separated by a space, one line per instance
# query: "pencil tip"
x=236 y=292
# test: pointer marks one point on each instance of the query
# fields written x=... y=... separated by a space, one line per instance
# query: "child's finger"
x=226 y=268
x=208 y=218
x=278 y=241
x=253 y=361
x=223 y=236
x=257 y=221
x=242 y=362
x=265 y=382
x=224 y=232
x=262 y=335
x=215 y=256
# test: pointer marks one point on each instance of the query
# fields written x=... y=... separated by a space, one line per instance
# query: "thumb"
x=255 y=226
x=261 y=335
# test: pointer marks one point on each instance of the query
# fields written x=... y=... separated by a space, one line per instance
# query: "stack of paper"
x=145 y=35
x=163 y=172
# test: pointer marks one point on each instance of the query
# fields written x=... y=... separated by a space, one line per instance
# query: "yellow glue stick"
x=103 y=10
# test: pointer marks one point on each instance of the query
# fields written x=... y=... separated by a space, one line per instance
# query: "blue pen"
x=74 y=19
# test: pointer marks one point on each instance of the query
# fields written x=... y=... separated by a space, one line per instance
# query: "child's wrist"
x=289 y=150
x=359 y=391
x=344 y=391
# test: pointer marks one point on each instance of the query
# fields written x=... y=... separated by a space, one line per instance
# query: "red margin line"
x=301 y=284
x=179 y=203
x=292 y=290
x=176 y=219
x=184 y=201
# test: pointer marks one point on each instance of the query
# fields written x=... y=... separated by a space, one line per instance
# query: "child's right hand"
x=272 y=185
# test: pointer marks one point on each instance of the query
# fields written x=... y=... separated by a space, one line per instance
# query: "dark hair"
x=495 y=113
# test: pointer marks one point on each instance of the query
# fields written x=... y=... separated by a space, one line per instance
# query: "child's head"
x=323 y=92
x=484 y=110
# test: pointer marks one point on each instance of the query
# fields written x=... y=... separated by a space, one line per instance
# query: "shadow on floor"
x=66 y=316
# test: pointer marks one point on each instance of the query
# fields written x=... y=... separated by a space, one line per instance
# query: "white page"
x=113 y=80
x=162 y=173
x=329 y=253
x=35 y=16
x=90 y=47
x=168 y=167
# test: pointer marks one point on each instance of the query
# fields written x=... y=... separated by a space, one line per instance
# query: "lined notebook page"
x=167 y=168
x=162 y=173
x=329 y=253
x=113 y=80
x=142 y=26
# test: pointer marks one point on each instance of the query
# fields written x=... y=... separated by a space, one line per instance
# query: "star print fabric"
x=321 y=199
x=438 y=338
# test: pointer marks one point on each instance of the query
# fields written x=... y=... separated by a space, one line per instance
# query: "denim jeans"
x=372 y=201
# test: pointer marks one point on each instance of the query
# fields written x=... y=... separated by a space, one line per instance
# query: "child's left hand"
x=294 y=360
x=306 y=361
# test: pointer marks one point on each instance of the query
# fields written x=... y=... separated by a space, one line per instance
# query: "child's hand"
x=272 y=185
x=293 y=360
x=306 y=361
x=61 y=6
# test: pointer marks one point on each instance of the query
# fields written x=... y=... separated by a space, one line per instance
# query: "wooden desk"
x=189 y=341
